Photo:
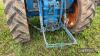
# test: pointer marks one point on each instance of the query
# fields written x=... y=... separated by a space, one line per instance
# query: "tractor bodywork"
x=51 y=10
x=70 y=15
x=33 y=8
x=51 y=13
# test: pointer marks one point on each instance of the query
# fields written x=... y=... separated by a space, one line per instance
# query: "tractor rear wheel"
x=17 y=20
x=84 y=11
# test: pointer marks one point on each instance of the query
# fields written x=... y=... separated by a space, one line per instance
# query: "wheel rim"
x=72 y=17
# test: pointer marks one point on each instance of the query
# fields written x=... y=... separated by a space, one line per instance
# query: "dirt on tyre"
x=97 y=2
x=17 y=20
x=84 y=11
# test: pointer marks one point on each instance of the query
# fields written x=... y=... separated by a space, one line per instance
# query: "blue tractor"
x=71 y=15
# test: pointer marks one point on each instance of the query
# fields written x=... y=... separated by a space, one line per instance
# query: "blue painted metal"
x=29 y=5
x=50 y=13
x=43 y=17
x=69 y=3
x=31 y=10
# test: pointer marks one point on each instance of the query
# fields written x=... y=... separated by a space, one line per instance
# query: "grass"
x=90 y=38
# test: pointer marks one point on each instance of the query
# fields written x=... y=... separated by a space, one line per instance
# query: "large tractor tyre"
x=84 y=11
x=97 y=2
x=17 y=20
